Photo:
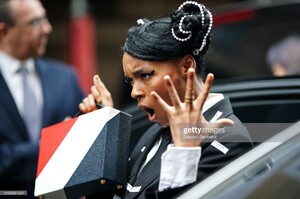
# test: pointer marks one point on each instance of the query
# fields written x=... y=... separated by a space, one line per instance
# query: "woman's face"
x=148 y=76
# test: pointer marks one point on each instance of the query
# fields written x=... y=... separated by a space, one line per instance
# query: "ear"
x=187 y=62
x=3 y=29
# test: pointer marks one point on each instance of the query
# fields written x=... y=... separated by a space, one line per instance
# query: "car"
x=270 y=170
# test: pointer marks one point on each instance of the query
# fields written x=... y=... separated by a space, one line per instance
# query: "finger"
x=85 y=105
x=205 y=91
x=223 y=122
x=91 y=102
x=172 y=91
x=189 y=90
x=107 y=100
x=105 y=95
x=99 y=85
x=67 y=118
x=160 y=101
x=82 y=108
x=96 y=94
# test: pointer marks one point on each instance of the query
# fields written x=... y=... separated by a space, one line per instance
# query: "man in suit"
x=24 y=31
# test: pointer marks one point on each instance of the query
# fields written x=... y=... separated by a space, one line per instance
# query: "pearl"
x=140 y=22
x=201 y=8
x=196 y=51
x=180 y=39
x=180 y=25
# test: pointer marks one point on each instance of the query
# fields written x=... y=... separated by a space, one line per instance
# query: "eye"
x=128 y=81
x=146 y=75
x=37 y=21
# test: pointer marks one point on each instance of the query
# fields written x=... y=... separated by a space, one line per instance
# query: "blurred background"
x=89 y=34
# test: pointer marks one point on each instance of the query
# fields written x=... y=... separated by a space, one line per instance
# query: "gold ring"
x=188 y=100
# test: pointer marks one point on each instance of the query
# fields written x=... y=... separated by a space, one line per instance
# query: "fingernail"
x=166 y=77
x=96 y=77
x=153 y=95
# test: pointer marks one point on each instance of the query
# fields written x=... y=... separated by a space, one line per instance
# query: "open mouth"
x=150 y=112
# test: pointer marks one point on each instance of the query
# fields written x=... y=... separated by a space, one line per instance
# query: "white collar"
x=213 y=99
x=10 y=65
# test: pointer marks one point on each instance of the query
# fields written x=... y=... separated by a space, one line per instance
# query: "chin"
x=163 y=124
x=41 y=52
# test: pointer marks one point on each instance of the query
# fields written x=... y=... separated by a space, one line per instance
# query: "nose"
x=137 y=91
x=47 y=27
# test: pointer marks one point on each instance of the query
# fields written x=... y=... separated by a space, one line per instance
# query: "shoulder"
x=48 y=64
x=236 y=133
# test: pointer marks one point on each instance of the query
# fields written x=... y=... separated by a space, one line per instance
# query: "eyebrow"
x=138 y=71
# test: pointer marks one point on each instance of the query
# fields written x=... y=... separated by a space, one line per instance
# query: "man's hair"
x=286 y=53
x=5 y=13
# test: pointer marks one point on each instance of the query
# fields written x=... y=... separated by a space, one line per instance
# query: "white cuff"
x=179 y=166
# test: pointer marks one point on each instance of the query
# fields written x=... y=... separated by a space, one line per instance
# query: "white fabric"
x=213 y=99
x=179 y=166
x=220 y=146
x=9 y=67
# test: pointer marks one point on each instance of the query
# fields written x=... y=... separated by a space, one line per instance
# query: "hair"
x=171 y=38
x=5 y=13
x=286 y=53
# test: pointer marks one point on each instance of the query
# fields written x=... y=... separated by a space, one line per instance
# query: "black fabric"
x=138 y=162
x=144 y=177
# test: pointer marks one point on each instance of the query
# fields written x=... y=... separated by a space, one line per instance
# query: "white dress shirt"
x=9 y=67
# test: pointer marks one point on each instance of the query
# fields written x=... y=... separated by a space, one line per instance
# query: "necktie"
x=32 y=114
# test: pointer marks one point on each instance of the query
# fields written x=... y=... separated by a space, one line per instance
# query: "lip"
x=149 y=111
x=44 y=41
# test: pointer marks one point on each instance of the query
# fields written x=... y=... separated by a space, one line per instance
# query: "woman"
x=160 y=61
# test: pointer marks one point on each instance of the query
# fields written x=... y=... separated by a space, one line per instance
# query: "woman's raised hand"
x=189 y=112
x=99 y=94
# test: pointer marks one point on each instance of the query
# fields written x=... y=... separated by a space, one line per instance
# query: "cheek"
x=25 y=39
x=161 y=89
x=180 y=87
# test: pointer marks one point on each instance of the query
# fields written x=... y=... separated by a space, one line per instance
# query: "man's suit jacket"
x=211 y=158
x=61 y=97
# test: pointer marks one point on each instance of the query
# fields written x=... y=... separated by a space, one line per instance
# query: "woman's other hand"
x=99 y=94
